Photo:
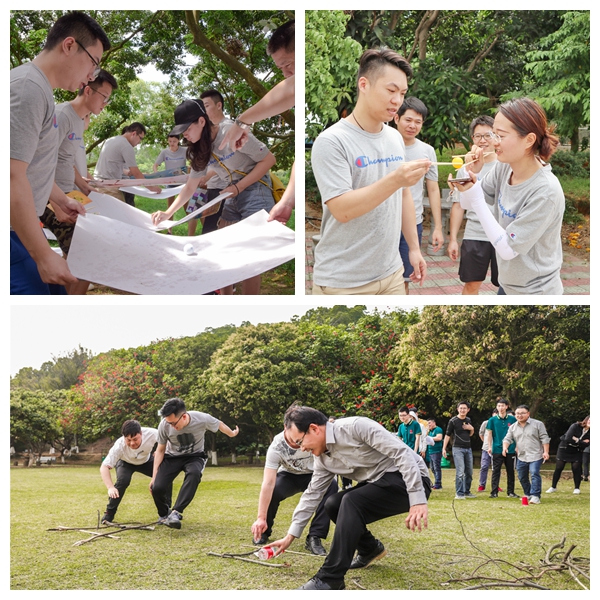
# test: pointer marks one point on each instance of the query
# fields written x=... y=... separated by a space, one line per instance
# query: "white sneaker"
x=550 y=490
x=576 y=491
x=457 y=497
x=534 y=500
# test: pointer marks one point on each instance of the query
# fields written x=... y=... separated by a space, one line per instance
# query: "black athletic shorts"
x=475 y=258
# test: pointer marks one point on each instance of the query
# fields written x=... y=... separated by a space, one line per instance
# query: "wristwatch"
x=242 y=125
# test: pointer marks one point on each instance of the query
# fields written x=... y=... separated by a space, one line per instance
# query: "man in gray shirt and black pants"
x=392 y=479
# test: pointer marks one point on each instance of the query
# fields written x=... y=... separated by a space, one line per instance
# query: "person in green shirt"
x=410 y=430
x=434 y=453
x=497 y=428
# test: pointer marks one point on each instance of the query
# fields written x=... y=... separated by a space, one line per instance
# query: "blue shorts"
x=408 y=268
x=24 y=275
x=254 y=198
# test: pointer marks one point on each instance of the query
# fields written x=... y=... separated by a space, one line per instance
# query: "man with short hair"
x=486 y=459
x=363 y=178
x=409 y=121
x=533 y=449
x=70 y=117
x=392 y=479
x=497 y=428
x=434 y=452
x=409 y=430
x=131 y=453
x=460 y=430
x=69 y=60
x=288 y=471
x=117 y=154
x=183 y=431
x=477 y=253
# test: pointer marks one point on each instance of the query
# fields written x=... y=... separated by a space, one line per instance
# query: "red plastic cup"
x=525 y=501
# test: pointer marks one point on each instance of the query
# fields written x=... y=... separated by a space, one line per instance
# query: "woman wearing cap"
x=245 y=170
x=527 y=198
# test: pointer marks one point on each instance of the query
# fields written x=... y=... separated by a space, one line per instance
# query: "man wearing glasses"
x=180 y=449
x=70 y=117
x=392 y=479
x=69 y=60
x=117 y=154
x=477 y=253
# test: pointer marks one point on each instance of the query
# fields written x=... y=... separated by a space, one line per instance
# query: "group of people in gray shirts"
x=48 y=159
x=371 y=181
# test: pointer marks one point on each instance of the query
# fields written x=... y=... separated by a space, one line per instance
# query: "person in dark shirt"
x=460 y=430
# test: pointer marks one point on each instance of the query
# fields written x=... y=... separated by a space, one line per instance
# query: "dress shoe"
x=313 y=544
x=318 y=584
x=361 y=561
x=262 y=541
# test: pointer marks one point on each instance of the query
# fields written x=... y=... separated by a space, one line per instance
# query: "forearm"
x=357 y=203
x=186 y=193
x=159 y=454
x=137 y=174
x=435 y=202
x=277 y=100
x=456 y=217
x=409 y=220
x=80 y=182
x=264 y=499
x=261 y=169
x=106 y=478
x=227 y=430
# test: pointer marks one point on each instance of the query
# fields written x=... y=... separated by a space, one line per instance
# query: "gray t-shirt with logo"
x=34 y=129
x=116 y=154
x=70 y=131
x=365 y=249
x=282 y=457
x=189 y=439
x=417 y=151
x=531 y=213
x=172 y=160
x=473 y=228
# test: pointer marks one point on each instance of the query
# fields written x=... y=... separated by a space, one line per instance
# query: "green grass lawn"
x=461 y=536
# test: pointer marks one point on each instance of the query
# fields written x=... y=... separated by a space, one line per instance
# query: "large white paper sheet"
x=168 y=224
x=146 y=193
x=137 y=260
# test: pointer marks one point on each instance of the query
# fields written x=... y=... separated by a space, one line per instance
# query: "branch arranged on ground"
x=264 y=563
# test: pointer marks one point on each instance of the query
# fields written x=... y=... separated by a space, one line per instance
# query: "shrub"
x=569 y=163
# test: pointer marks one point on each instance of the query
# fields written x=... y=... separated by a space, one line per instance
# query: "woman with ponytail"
x=527 y=198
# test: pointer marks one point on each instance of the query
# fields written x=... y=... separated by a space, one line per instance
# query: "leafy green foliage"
x=571 y=164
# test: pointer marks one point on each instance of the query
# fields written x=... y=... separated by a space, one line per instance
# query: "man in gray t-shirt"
x=360 y=168
x=180 y=449
x=288 y=471
x=64 y=63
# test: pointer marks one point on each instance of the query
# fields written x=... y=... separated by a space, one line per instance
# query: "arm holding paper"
x=185 y=194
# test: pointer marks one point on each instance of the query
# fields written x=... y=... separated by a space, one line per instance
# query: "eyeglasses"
x=483 y=136
x=107 y=99
x=96 y=63
x=174 y=424
x=299 y=442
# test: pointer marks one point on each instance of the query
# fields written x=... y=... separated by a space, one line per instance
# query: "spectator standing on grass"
x=409 y=430
x=497 y=428
x=434 y=452
x=533 y=448
x=570 y=450
x=460 y=430
x=486 y=459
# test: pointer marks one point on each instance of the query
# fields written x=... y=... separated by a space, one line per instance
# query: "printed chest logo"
x=73 y=137
x=186 y=442
x=505 y=211
x=364 y=161
x=54 y=121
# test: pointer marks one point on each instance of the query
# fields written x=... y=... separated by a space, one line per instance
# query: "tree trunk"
x=575 y=140
x=213 y=458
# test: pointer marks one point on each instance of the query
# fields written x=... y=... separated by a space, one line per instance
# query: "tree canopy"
x=465 y=63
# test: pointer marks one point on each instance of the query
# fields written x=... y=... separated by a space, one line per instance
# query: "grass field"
x=460 y=538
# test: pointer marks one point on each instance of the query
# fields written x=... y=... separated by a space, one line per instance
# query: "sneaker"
x=576 y=491
x=436 y=487
x=512 y=495
x=481 y=488
x=458 y=497
x=107 y=519
x=550 y=490
x=534 y=500
x=361 y=562
x=493 y=495
x=173 y=520
x=469 y=495
x=500 y=489
x=262 y=541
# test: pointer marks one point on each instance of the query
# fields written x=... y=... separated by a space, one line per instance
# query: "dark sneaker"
x=318 y=584
x=314 y=545
x=469 y=495
x=512 y=495
x=262 y=541
x=493 y=495
x=360 y=561
x=174 y=520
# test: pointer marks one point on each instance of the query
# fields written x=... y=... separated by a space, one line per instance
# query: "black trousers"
x=125 y=471
x=352 y=510
x=290 y=484
x=193 y=466
x=509 y=462
x=575 y=468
